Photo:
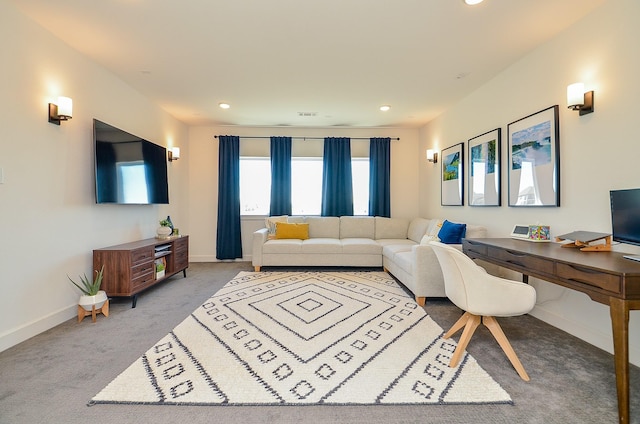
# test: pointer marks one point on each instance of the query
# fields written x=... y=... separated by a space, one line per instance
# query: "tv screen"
x=128 y=169
x=625 y=215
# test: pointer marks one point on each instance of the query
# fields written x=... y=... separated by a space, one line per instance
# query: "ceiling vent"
x=311 y=114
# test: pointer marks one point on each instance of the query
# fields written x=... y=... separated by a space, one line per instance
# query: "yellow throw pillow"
x=285 y=230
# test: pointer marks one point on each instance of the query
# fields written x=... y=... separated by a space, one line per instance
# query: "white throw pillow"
x=434 y=227
x=427 y=238
x=270 y=223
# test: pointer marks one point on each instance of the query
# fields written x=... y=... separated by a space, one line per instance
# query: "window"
x=360 y=177
x=306 y=185
x=255 y=185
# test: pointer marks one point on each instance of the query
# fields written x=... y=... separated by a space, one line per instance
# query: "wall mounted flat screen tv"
x=625 y=215
x=128 y=169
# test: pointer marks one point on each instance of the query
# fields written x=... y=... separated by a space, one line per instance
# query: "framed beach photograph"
x=484 y=169
x=534 y=159
x=452 y=191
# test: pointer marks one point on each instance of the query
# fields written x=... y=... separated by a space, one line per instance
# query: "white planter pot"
x=163 y=232
x=98 y=300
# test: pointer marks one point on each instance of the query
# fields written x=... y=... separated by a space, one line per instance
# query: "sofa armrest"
x=259 y=238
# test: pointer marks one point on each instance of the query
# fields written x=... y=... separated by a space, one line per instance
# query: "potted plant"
x=164 y=231
x=160 y=267
x=92 y=297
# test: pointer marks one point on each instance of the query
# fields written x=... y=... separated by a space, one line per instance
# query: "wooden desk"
x=606 y=277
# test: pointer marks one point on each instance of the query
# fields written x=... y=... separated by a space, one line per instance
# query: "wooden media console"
x=130 y=268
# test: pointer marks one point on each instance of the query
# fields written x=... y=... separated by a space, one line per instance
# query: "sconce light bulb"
x=65 y=107
x=575 y=95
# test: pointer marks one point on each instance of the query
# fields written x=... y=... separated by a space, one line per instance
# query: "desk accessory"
x=583 y=240
x=535 y=233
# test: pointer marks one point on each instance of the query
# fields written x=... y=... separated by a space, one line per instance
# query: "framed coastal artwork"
x=452 y=189
x=534 y=159
x=484 y=169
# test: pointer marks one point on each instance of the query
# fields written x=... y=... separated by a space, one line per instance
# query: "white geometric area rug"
x=305 y=338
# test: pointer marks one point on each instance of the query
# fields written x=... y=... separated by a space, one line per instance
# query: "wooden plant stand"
x=104 y=310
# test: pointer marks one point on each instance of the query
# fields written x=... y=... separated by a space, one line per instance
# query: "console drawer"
x=522 y=260
x=182 y=259
x=469 y=247
x=609 y=282
x=181 y=244
x=142 y=280
x=142 y=255
x=139 y=271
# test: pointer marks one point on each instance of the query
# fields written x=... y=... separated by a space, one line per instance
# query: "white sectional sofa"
x=399 y=245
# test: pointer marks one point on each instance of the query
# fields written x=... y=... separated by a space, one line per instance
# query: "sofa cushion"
x=357 y=227
x=324 y=226
x=361 y=246
x=391 y=250
x=285 y=230
x=321 y=245
x=417 y=228
x=451 y=232
x=391 y=228
x=284 y=246
x=389 y=242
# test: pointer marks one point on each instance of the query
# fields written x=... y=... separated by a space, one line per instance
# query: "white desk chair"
x=483 y=297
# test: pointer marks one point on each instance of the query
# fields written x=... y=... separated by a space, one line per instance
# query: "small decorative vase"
x=87 y=302
x=170 y=224
x=163 y=232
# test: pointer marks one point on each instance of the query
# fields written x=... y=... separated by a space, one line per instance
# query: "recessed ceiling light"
x=385 y=108
x=472 y=2
x=224 y=105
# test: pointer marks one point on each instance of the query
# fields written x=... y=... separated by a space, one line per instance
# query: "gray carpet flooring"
x=51 y=377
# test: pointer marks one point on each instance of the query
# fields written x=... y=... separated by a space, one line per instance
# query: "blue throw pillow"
x=452 y=233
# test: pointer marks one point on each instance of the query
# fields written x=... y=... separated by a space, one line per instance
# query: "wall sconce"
x=174 y=154
x=578 y=99
x=432 y=156
x=62 y=111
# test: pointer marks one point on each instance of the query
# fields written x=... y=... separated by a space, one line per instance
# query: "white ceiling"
x=339 y=60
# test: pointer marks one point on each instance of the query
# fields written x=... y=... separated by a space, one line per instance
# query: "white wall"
x=203 y=171
x=598 y=152
x=50 y=222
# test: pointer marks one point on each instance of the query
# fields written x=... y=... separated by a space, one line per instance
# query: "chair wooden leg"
x=421 y=301
x=473 y=322
x=256 y=269
x=496 y=330
x=457 y=326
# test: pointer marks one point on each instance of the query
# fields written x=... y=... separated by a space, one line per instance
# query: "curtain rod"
x=316 y=138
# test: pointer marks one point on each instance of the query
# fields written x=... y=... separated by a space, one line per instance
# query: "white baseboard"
x=35 y=327
x=599 y=339
x=212 y=258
